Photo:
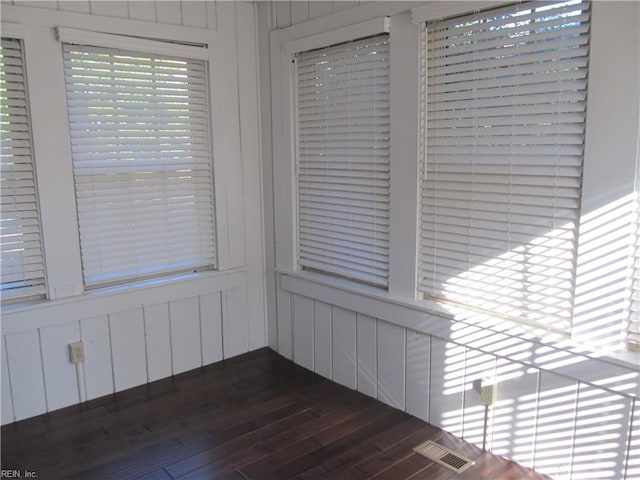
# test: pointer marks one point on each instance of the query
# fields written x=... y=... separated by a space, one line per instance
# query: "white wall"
x=568 y=407
x=158 y=328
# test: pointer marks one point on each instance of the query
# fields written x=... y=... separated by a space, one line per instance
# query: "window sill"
x=20 y=304
x=44 y=313
x=151 y=282
x=505 y=339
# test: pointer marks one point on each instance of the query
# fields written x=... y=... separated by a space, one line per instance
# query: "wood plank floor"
x=257 y=416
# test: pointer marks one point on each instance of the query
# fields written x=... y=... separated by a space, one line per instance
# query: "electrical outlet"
x=76 y=352
x=488 y=391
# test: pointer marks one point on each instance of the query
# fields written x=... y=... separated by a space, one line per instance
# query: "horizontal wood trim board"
x=102 y=303
x=577 y=366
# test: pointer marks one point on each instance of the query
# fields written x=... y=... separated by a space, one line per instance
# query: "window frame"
x=16 y=32
x=284 y=47
x=403 y=213
x=558 y=203
x=114 y=44
x=618 y=177
x=52 y=147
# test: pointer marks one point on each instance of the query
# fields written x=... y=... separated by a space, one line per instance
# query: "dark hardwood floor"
x=257 y=416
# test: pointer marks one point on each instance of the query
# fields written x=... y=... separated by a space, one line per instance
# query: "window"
x=342 y=106
x=140 y=138
x=505 y=121
x=22 y=261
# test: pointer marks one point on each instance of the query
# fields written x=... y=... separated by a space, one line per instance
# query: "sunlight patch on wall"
x=602 y=423
x=633 y=454
x=515 y=416
x=601 y=303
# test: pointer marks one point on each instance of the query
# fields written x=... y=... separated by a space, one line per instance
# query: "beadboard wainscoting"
x=553 y=408
x=129 y=339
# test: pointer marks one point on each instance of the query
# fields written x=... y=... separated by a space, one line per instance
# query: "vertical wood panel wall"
x=543 y=420
x=123 y=349
x=186 y=13
x=289 y=13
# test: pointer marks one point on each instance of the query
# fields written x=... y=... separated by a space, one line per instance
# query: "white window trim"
x=13 y=30
x=136 y=44
x=284 y=43
x=591 y=195
x=283 y=49
x=435 y=10
x=37 y=27
x=38 y=289
x=339 y=35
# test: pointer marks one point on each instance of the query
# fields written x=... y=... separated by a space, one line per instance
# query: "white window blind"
x=22 y=264
x=505 y=119
x=140 y=138
x=634 y=317
x=343 y=160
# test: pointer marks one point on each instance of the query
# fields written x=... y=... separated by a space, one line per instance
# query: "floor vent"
x=443 y=456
